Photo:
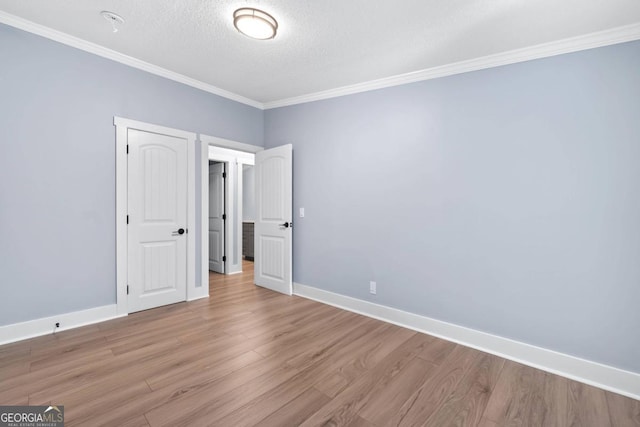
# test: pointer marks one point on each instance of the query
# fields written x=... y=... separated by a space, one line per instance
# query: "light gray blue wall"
x=248 y=193
x=57 y=167
x=505 y=200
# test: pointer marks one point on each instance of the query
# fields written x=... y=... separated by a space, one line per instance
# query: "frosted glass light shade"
x=255 y=23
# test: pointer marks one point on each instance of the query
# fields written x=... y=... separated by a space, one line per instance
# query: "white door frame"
x=230 y=152
x=122 y=125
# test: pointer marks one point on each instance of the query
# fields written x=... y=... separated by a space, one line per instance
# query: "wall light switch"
x=301 y=212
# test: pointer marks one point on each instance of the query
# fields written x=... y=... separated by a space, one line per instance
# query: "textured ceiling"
x=321 y=44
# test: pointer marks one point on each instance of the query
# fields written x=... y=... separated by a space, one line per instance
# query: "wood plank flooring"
x=248 y=356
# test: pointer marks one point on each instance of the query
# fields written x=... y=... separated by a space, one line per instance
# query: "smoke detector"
x=113 y=18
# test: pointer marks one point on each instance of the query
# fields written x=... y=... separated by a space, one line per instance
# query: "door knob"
x=178 y=232
x=286 y=225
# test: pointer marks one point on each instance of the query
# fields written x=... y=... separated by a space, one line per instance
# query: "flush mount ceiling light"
x=255 y=23
x=113 y=18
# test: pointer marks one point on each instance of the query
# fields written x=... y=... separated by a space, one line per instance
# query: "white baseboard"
x=200 y=292
x=585 y=371
x=46 y=325
x=231 y=273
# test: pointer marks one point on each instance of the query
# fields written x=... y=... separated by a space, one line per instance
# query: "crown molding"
x=104 y=52
x=589 y=41
x=574 y=44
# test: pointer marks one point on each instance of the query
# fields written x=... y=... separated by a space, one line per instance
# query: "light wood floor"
x=248 y=356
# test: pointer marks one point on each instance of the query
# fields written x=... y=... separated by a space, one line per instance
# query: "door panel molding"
x=122 y=127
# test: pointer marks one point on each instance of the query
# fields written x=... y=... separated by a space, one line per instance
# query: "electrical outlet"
x=57 y=324
x=372 y=288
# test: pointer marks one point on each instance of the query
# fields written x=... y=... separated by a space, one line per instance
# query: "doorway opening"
x=272 y=228
x=222 y=185
x=248 y=213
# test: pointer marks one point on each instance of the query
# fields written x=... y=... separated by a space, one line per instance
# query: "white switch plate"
x=372 y=287
x=301 y=212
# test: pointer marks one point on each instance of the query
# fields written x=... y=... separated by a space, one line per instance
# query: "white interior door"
x=216 y=218
x=157 y=215
x=273 y=222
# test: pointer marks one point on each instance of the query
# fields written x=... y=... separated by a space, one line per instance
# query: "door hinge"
x=224 y=174
x=127 y=148
x=127 y=289
x=224 y=258
x=224 y=217
x=127 y=219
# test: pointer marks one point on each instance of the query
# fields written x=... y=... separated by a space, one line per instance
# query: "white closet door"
x=157 y=205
